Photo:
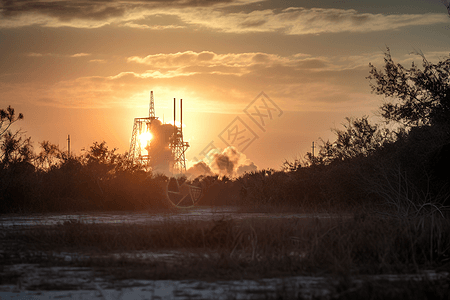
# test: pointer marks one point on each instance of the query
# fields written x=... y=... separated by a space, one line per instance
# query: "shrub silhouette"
x=360 y=167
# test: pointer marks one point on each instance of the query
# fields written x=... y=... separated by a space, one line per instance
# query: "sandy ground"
x=194 y=214
x=80 y=283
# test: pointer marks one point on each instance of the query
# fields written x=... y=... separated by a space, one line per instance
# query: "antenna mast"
x=151 y=110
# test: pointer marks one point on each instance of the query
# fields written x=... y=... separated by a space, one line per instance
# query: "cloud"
x=214 y=82
x=300 y=21
x=152 y=27
x=212 y=15
x=157 y=74
x=296 y=81
x=63 y=10
x=94 y=13
x=95 y=10
x=208 y=59
x=35 y=54
x=80 y=54
x=76 y=55
x=100 y=61
x=167 y=65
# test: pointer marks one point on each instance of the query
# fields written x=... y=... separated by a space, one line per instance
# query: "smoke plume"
x=230 y=162
x=161 y=156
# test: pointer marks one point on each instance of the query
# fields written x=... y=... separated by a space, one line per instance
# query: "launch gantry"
x=164 y=145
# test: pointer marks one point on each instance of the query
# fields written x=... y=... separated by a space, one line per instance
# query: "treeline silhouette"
x=53 y=181
x=403 y=167
x=406 y=167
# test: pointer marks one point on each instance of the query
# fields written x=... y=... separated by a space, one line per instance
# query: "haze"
x=86 y=68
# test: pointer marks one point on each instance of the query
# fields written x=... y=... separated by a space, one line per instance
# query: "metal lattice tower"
x=178 y=145
x=179 y=149
x=151 y=109
x=140 y=126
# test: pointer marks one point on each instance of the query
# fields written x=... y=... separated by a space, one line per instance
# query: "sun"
x=145 y=137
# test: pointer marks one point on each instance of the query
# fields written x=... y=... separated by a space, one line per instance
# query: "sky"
x=267 y=77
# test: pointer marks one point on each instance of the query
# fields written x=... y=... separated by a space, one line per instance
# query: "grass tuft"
x=250 y=248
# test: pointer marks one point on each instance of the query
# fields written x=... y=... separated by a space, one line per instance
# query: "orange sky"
x=86 y=68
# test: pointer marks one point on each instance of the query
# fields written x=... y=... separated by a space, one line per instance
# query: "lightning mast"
x=178 y=145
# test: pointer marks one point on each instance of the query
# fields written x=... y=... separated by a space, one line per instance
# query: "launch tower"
x=158 y=146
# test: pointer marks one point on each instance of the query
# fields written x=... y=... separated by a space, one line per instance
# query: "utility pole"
x=313 y=147
x=68 y=145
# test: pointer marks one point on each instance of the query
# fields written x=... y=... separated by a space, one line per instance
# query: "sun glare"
x=145 y=138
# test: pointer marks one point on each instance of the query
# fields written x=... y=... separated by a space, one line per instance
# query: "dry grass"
x=342 y=248
x=251 y=248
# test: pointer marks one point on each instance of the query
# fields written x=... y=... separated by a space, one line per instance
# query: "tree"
x=358 y=139
x=99 y=153
x=50 y=156
x=13 y=147
x=421 y=96
x=7 y=118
